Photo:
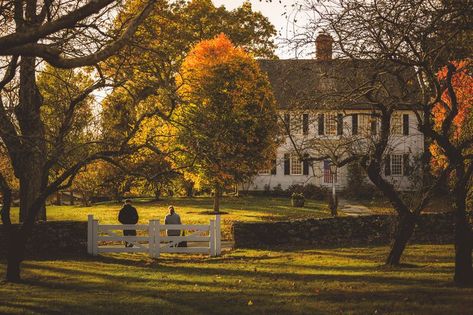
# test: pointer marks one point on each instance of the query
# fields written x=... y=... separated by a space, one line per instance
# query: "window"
x=296 y=165
x=396 y=124
x=264 y=171
x=396 y=164
x=331 y=124
x=367 y=125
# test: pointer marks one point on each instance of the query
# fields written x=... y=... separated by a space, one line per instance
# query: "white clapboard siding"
x=153 y=243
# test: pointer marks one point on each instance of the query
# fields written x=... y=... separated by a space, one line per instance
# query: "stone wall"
x=340 y=231
x=53 y=239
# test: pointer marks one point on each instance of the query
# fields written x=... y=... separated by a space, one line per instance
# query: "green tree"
x=230 y=120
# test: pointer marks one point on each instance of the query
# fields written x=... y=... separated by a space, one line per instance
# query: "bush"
x=279 y=192
x=310 y=191
x=357 y=187
x=297 y=200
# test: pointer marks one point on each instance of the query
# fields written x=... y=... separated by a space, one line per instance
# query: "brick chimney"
x=323 y=46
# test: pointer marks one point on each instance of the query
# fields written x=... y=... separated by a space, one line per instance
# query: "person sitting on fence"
x=128 y=215
x=172 y=218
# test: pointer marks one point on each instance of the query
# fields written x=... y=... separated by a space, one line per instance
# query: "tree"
x=229 y=122
x=420 y=37
x=150 y=65
x=65 y=34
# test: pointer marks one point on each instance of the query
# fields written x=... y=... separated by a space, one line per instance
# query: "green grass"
x=191 y=210
x=318 y=281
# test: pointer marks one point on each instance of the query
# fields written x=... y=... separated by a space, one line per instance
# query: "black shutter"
x=387 y=165
x=374 y=126
x=305 y=124
x=305 y=164
x=405 y=124
x=406 y=165
x=321 y=124
x=286 y=164
x=273 y=168
x=339 y=124
x=354 y=124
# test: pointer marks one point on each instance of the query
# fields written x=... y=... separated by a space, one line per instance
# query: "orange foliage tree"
x=229 y=122
x=461 y=127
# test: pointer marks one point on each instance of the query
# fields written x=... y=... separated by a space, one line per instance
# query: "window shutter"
x=305 y=164
x=321 y=124
x=374 y=127
x=339 y=124
x=387 y=165
x=273 y=169
x=287 y=122
x=305 y=124
x=286 y=164
x=406 y=165
x=354 y=124
x=405 y=124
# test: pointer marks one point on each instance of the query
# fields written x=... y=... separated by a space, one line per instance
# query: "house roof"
x=340 y=83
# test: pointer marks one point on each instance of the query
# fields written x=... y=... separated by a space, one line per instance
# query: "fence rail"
x=154 y=243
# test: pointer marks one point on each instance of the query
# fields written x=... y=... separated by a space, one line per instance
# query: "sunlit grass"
x=192 y=210
x=327 y=281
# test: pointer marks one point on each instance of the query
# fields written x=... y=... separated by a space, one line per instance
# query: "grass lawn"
x=191 y=210
x=319 y=281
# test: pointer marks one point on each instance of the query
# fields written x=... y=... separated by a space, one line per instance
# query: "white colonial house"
x=305 y=92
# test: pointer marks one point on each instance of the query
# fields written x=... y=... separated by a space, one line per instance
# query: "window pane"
x=396 y=164
x=331 y=124
x=296 y=165
x=396 y=124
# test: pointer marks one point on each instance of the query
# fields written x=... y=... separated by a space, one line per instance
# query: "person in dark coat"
x=128 y=215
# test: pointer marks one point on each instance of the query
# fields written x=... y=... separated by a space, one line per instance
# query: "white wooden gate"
x=200 y=238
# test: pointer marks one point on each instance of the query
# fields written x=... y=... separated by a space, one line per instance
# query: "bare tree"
x=416 y=38
x=67 y=35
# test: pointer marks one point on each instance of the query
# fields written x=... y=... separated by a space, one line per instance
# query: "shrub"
x=278 y=191
x=312 y=191
x=297 y=200
x=357 y=187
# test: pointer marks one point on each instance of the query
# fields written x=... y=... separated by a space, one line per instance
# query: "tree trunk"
x=217 y=199
x=404 y=230
x=72 y=197
x=16 y=247
x=463 y=236
x=29 y=164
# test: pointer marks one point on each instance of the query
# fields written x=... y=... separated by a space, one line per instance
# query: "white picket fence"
x=156 y=241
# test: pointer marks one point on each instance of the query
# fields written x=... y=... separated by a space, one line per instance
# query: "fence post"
x=151 y=246
x=153 y=238
x=212 y=238
x=90 y=239
x=157 y=238
x=218 y=236
x=95 y=234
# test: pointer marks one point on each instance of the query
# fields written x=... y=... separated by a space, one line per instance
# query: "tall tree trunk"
x=30 y=163
x=404 y=230
x=463 y=235
x=17 y=240
x=217 y=198
x=72 y=197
